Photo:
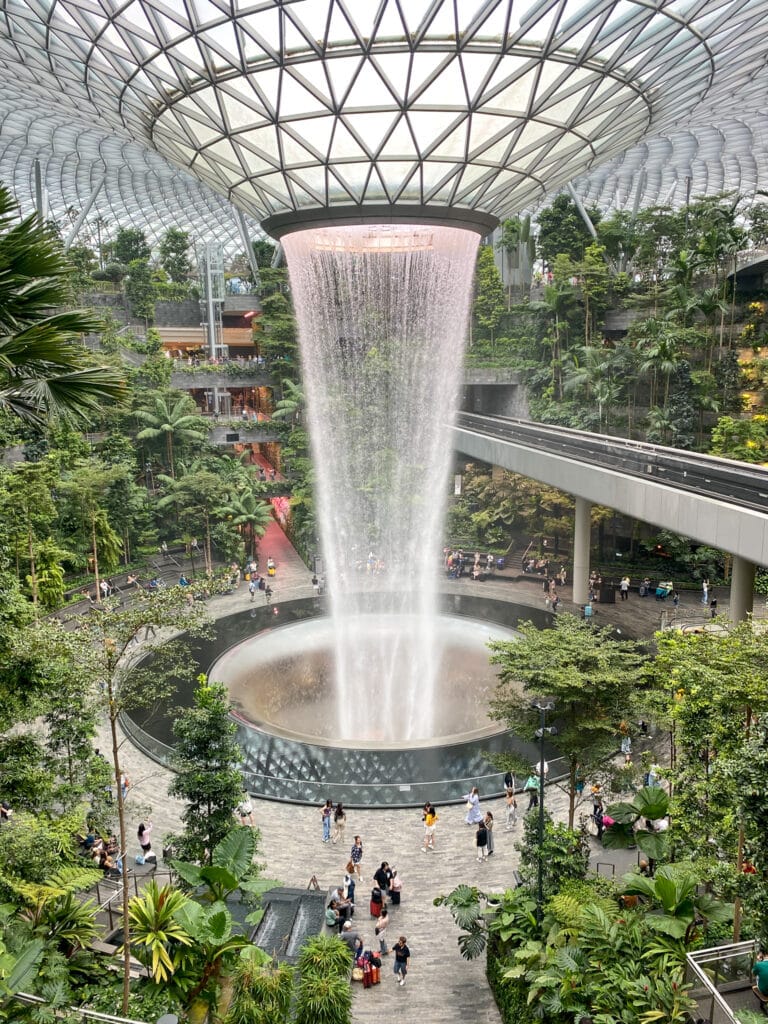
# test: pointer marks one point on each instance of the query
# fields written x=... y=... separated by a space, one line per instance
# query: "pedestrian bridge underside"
x=714 y=501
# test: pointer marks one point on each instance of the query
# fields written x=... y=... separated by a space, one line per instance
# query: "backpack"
x=140 y=858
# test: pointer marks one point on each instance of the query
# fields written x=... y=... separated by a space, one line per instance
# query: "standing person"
x=511 y=807
x=531 y=787
x=339 y=824
x=705 y=591
x=395 y=888
x=713 y=608
x=125 y=783
x=474 y=814
x=325 y=815
x=402 y=959
x=382 y=877
x=245 y=810
x=349 y=883
x=356 y=856
x=481 y=840
x=144 y=833
x=624 y=587
x=430 y=820
x=510 y=782
x=489 y=830
x=315 y=585
x=253 y=586
x=380 y=930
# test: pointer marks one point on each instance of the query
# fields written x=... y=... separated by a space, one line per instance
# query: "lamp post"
x=542 y=705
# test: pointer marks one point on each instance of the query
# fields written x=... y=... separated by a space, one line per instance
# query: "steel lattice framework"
x=285 y=105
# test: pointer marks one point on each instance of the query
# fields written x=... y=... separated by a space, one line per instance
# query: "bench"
x=761 y=999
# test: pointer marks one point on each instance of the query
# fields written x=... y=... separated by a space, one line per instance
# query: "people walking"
x=511 y=809
x=356 y=856
x=339 y=824
x=326 y=814
x=705 y=591
x=474 y=814
x=624 y=588
x=531 y=787
x=402 y=959
x=395 y=888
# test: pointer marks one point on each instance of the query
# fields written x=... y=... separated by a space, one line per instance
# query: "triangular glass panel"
x=264 y=24
x=516 y=97
x=429 y=125
x=484 y=129
x=477 y=67
x=313 y=180
x=394 y=67
x=315 y=131
x=400 y=142
x=237 y=114
x=293 y=152
x=313 y=17
x=354 y=177
x=396 y=173
x=424 y=65
x=375 y=190
x=454 y=145
x=368 y=90
x=414 y=12
x=296 y=99
x=447 y=90
x=265 y=140
x=341 y=71
x=345 y=145
x=340 y=30
x=390 y=25
x=370 y=128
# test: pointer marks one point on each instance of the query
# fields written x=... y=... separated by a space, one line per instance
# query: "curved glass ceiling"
x=282 y=105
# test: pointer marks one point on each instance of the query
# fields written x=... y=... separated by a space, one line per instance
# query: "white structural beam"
x=741 y=531
x=84 y=212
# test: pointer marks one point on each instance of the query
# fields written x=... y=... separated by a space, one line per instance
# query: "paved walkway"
x=442 y=987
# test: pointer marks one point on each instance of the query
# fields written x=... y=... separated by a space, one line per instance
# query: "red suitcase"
x=375 y=974
x=367 y=980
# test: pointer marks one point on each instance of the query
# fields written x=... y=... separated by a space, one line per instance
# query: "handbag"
x=357 y=974
x=469 y=805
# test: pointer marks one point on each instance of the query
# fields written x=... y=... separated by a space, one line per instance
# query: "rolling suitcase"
x=375 y=974
x=367 y=981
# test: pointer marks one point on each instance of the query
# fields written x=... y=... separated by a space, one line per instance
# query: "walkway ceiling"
x=283 y=105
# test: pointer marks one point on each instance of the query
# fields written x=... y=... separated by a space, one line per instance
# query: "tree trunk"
x=208 y=559
x=113 y=713
x=32 y=572
x=572 y=792
x=95 y=549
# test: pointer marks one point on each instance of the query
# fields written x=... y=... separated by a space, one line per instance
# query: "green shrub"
x=511 y=995
x=325 y=956
x=324 y=999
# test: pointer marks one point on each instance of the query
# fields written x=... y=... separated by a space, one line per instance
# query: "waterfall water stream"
x=382 y=315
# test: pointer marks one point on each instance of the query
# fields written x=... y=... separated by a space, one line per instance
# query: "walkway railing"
x=721 y=978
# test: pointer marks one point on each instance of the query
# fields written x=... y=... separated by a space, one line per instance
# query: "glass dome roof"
x=284 y=105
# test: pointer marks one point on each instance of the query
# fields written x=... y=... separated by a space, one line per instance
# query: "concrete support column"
x=581 y=536
x=742 y=589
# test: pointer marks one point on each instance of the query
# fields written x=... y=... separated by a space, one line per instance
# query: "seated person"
x=351 y=938
x=183 y=581
x=332 y=915
x=760 y=971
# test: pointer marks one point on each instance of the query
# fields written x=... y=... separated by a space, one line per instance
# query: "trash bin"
x=608 y=594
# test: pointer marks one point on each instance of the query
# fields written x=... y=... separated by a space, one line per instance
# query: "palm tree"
x=43 y=371
x=249 y=514
x=172 y=417
x=290 y=405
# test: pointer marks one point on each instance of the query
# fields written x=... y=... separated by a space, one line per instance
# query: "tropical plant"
x=171 y=416
x=649 y=804
x=262 y=991
x=43 y=371
x=174 y=254
x=156 y=933
x=679 y=910
x=207 y=776
x=559 y=662
x=249 y=514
